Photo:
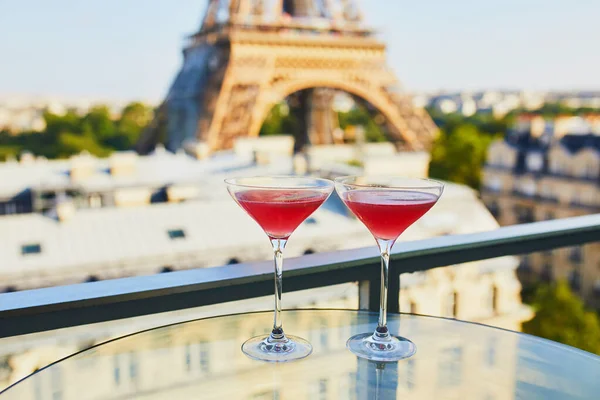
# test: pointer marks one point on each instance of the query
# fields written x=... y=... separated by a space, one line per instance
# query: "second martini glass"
x=279 y=204
x=387 y=206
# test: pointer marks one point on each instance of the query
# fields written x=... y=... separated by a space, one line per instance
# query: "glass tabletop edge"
x=103 y=343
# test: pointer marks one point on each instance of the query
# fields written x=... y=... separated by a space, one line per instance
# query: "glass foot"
x=284 y=349
x=382 y=348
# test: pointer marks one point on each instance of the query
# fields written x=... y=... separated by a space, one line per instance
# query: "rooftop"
x=206 y=231
x=159 y=169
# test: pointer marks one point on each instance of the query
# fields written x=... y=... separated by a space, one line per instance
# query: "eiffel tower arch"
x=249 y=55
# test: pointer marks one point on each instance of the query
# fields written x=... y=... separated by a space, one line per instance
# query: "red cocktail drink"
x=388 y=213
x=387 y=206
x=279 y=204
x=280 y=212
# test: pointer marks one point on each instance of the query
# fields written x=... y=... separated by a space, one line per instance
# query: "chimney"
x=198 y=150
x=538 y=126
x=65 y=208
x=83 y=166
x=123 y=163
x=27 y=158
x=301 y=166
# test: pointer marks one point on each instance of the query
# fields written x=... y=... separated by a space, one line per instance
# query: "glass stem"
x=384 y=246
x=278 y=246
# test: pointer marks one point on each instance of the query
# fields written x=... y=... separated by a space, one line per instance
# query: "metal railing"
x=65 y=306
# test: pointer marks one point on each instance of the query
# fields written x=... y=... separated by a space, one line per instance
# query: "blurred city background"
x=120 y=120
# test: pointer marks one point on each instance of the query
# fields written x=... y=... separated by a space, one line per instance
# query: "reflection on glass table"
x=455 y=360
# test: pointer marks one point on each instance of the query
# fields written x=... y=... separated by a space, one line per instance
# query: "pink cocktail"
x=388 y=213
x=279 y=205
x=280 y=212
x=387 y=206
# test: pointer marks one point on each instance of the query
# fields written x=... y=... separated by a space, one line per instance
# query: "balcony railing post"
x=368 y=290
x=364 y=295
x=394 y=291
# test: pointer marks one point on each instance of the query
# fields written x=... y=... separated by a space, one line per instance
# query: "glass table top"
x=202 y=360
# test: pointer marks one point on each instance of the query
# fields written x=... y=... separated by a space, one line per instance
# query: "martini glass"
x=279 y=204
x=387 y=206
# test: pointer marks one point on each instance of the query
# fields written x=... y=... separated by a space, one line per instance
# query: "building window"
x=525 y=215
x=494 y=184
x=546 y=192
x=188 y=358
x=575 y=280
x=591 y=171
x=4 y=208
x=176 y=234
x=498 y=160
x=32 y=248
x=528 y=188
x=48 y=195
x=494 y=208
x=204 y=357
x=547 y=273
x=576 y=254
x=525 y=264
x=589 y=197
x=557 y=167
x=95 y=201
x=535 y=162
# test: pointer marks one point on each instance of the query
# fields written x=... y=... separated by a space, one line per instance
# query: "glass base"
x=271 y=349
x=381 y=348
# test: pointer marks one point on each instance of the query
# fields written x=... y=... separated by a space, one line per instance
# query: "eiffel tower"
x=249 y=55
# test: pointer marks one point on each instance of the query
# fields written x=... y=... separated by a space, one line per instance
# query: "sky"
x=131 y=49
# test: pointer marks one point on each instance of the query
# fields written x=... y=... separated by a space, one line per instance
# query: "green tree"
x=99 y=123
x=72 y=143
x=486 y=122
x=7 y=152
x=359 y=116
x=55 y=124
x=279 y=121
x=65 y=135
x=561 y=316
x=553 y=109
x=459 y=155
x=134 y=118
